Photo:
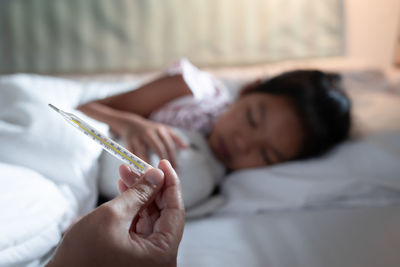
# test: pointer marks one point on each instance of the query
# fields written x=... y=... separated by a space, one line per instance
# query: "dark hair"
x=322 y=106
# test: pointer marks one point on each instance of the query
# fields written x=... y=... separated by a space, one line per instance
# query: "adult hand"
x=141 y=134
x=141 y=227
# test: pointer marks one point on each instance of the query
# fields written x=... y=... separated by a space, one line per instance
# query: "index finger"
x=178 y=140
x=169 y=145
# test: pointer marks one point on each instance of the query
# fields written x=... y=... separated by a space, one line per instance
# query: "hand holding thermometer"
x=139 y=165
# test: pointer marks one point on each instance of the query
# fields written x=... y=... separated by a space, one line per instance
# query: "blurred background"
x=97 y=36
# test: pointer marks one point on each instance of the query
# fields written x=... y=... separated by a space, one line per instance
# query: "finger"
x=139 y=196
x=138 y=148
x=121 y=186
x=157 y=146
x=169 y=145
x=128 y=176
x=172 y=214
x=147 y=218
x=178 y=140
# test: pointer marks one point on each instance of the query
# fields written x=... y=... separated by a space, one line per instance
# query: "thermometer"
x=139 y=165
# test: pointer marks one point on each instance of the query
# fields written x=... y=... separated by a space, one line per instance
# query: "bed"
x=325 y=237
x=339 y=210
x=342 y=209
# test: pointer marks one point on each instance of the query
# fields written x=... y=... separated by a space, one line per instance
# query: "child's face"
x=259 y=129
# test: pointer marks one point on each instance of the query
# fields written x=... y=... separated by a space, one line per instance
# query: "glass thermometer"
x=139 y=165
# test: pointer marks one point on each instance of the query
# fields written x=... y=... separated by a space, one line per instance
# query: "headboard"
x=92 y=36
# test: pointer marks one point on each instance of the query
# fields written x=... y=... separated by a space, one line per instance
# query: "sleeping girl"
x=295 y=115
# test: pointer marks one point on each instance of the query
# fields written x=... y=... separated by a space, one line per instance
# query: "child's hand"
x=141 y=134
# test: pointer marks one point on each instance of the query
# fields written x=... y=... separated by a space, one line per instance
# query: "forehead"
x=279 y=126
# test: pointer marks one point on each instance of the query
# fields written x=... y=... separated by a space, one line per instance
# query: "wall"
x=92 y=36
x=372 y=28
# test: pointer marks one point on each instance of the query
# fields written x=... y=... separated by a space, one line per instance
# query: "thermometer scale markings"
x=139 y=166
x=113 y=148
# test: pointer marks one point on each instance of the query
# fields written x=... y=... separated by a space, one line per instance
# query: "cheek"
x=290 y=141
x=285 y=132
x=250 y=160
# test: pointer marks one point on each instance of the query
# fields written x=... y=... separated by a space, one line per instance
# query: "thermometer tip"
x=53 y=107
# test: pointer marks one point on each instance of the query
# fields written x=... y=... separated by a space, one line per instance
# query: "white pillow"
x=361 y=171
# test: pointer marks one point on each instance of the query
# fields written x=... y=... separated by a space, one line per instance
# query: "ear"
x=250 y=86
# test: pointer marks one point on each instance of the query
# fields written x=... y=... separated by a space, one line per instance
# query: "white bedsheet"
x=345 y=237
x=34 y=212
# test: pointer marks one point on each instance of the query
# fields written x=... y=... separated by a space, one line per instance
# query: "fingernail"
x=169 y=164
x=155 y=176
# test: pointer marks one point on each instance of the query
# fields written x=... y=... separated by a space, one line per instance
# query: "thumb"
x=140 y=195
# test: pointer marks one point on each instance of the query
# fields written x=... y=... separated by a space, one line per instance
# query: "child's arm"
x=150 y=96
x=127 y=113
